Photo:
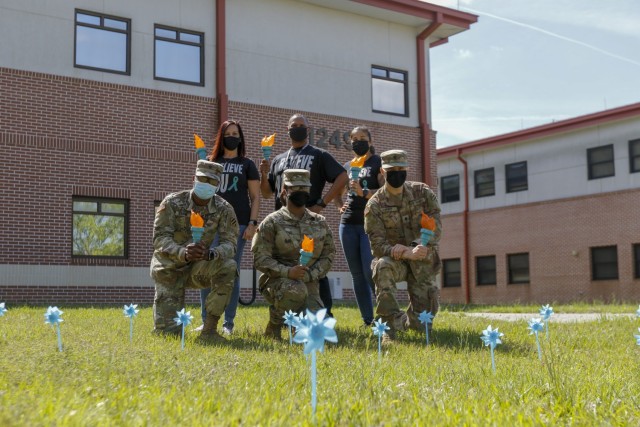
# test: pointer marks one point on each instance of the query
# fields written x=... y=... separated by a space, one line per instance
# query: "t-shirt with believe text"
x=234 y=187
x=368 y=178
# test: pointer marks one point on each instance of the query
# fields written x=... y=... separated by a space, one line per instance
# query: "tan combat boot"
x=273 y=331
x=210 y=329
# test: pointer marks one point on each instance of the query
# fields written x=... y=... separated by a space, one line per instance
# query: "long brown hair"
x=218 y=147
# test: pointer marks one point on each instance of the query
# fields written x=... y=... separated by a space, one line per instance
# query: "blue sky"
x=526 y=63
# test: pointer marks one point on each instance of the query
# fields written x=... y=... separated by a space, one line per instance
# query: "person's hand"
x=196 y=252
x=417 y=253
x=249 y=232
x=342 y=208
x=264 y=167
x=354 y=184
x=397 y=251
x=297 y=272
x=316 y=209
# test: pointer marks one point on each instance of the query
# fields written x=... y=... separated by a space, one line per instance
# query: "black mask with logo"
x=230 y=142
x=298 y=134
x=360 y=147
x=299 y=198
x=396 y=178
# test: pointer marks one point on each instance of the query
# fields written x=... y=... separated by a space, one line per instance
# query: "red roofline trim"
x=425 y=11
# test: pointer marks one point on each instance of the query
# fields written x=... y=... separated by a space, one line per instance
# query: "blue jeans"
x=232 y=307
x=357 y=251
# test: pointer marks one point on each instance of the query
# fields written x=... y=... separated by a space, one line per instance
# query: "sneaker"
x=199 y=328
x=226 y=330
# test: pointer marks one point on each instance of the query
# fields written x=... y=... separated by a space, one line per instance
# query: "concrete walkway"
x=556 y=317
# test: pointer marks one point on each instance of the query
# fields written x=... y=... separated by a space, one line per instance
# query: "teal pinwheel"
x=546 y=312
x=3 y=310
x=52 y=317
x=638 y=312
x=535 y=326
x=131 y=311
x=491 y=338
x=183 y=319
x=379 y=329
x=426 y=319
x=289 y=319
x=313 y=330
x=637 y=337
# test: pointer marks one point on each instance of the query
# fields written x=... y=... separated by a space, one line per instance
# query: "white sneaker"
x=199 y=328
x=227 y=331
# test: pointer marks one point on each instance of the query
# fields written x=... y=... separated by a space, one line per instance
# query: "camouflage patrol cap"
x=393 y=158
x=296 y=178
x=210 y=169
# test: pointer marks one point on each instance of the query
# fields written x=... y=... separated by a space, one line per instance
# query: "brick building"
x=99 y=102
x=544 y=214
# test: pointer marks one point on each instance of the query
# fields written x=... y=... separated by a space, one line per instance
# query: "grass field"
x=589 y=373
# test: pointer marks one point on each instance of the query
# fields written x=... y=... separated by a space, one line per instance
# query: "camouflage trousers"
x=218 y=275
x=287 y=294
x=423 y=293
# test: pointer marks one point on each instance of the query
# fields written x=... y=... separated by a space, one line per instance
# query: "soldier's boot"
x=273 y=330
x=210 y=329
x=389 y=338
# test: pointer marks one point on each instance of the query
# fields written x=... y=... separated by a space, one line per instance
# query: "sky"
x=527 y=63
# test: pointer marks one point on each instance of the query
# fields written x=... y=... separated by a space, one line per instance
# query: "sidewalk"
x=556 y=317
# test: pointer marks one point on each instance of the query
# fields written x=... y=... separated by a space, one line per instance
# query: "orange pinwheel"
x=358 y=162
x=427 y=222
x=199 y=143
x=268 y=141
x=196 y=220
x=307 y=244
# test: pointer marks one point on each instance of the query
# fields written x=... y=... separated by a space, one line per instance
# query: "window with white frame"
x=102 y=42
x=389 y=91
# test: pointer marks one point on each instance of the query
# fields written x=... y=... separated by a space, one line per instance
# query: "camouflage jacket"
x=172 y=227
x=276 y=244
x=388 y=222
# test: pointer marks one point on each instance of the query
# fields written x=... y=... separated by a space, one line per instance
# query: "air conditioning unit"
x=336 y=288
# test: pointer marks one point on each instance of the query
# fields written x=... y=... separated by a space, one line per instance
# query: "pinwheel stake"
x=130 y=312
x=535 y=326
x=2 y=309
x=491 y=337
x=638 y=312
x=289 y=319
x=379 y=329
x=52 y=317
x=637 y=337
x=313 y=332
x=183 y=319
x=546 y=312
x=426 y=318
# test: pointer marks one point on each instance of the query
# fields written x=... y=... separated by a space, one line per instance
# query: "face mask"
x=298 y=134
x=299 y=198
x=396 y=178
x=360 y=147
x=231 y=142
x=204 y=190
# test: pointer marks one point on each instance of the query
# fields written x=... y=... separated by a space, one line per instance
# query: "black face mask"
x=230 y=142
x=298 y=134
x=396 y=178
x=360 y=147
x=299 y=198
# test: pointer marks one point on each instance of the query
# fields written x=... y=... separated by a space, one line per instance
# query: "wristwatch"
x=253 y=222
x=213 y=254
x=321 y=202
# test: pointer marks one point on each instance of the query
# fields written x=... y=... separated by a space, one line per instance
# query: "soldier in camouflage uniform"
x=392 y=222
x=285 y=284
x=179 y=263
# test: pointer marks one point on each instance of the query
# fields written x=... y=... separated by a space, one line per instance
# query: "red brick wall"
x=558 y=236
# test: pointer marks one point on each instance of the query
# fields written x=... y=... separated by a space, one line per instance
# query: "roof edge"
x=424 y=10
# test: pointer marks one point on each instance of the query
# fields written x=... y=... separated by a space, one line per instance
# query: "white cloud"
x=464 y=53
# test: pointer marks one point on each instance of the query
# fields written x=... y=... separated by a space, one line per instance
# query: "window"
x=451 y=273
x=389 y=91
x=634 y=156
x=518 y=268
x=179 y=55
x=604 y=263
x=600 y=162
x=486 y=270
x=450 y=188
x=99 y=227
x=516 y=176
x=484 y=182
x=102 y=42
x=636 y=257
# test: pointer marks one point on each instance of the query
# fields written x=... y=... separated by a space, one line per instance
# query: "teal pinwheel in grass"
x=546 y=312
x=637 y=337
x=289 y=318
x=130 y=312
x=183 y=319
x=313 y=330
x=2 y=309
x=638 y=312
x=426 y=318
x=52 y=317
x=379 y=329
x=491 y=338
x=535 y=326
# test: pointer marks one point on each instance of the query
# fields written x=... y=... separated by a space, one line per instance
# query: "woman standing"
x=355 y=242
x=240 y=186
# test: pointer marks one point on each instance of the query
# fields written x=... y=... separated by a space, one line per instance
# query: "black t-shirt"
x=354 y=212
x=233 y=186
x=321 y=165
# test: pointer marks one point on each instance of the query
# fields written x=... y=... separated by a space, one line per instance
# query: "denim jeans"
x=357 y=251
x=232 y=307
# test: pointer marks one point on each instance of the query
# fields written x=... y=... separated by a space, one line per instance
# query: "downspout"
x=465 y=228
x=221 y=62
x=423 y=123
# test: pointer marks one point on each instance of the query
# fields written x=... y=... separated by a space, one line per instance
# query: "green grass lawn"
x=589 y=375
